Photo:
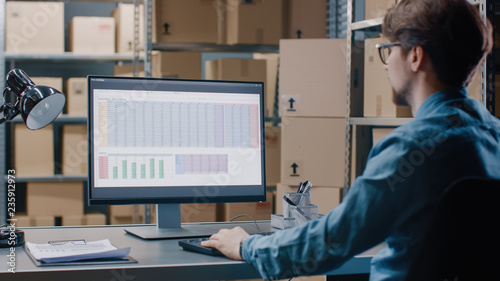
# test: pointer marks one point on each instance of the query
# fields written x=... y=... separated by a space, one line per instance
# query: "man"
x=434 y=49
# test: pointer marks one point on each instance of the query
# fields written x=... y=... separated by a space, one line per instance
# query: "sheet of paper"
x=73 y=252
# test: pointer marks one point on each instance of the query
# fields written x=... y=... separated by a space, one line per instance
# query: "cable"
x=246 y=215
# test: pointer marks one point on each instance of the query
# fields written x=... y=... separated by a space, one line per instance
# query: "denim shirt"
x=407 y=171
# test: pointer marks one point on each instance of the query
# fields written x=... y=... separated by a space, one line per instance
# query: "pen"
x=308 y=187
x=300 y=186
x=303 y=186
x=289 y=201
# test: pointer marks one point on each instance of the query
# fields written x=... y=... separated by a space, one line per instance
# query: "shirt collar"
x=436 y=99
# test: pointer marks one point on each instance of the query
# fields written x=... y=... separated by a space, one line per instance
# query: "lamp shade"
x=39 y=105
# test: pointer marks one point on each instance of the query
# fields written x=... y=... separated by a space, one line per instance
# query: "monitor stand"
x=168 y=225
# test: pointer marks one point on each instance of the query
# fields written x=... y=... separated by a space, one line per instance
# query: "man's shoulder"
x=455 y=124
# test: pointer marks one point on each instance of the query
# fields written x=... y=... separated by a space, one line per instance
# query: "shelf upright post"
x=148 y=49
x=348 y=126
x=148 y=45
x=135 y=61
x=3 y=146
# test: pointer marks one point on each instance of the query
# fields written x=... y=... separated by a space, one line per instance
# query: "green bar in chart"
x=161 y=169
x=134 y=170
x=124 y=169
x=115 y=172
x=143 y=171
x=152 y=168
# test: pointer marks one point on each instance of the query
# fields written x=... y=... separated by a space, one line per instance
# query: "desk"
x=157 y=259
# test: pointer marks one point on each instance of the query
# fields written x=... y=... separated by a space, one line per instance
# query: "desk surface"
x=157 y=259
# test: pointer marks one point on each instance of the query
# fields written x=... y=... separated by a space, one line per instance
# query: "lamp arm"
x=9 y=112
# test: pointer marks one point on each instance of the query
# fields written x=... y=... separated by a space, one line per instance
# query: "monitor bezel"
x=92 y=200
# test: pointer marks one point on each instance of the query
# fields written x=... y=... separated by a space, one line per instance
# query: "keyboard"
x=194 y=245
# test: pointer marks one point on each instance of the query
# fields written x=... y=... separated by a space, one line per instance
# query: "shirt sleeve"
x=376 y=204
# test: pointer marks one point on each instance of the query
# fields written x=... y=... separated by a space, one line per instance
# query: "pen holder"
x=302 y=214
x=297 y=199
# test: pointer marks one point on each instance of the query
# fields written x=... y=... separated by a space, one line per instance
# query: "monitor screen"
x=172 y=141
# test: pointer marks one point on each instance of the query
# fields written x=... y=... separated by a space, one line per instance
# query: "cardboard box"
x=183 y=65
x=378 y=133
x=92 y=35
x=54 y=198
x=199 y=212
x=54 y=82
x=95 y=219
x=124 y=220
x=272 y=136
x=377 y=8
x=124 y=210
x=271 y=81
x=127 y=70
x=42 y=221
x=239 y=70
x=22 y=220
x=312 y=149
x=306 y=19
x=76 y=96
x=313 y=77
x=378 y=90
x=236 y=70
x=124 y=27
x=326 y=198
x=33 y=158
x=74 y=150
x=71 y=220
x=188 y=21
x=258 y=210
x=254 y=22
x=34 y=27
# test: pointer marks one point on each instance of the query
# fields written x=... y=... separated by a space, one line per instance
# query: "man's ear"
x=415 y=57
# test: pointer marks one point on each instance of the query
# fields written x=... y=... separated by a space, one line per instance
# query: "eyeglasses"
x=63 y=242
x=384 y=50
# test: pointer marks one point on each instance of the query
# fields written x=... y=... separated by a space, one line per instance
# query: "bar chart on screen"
x=136 y=166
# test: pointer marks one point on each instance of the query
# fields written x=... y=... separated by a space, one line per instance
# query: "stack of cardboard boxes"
x=255 y=22
x=48 y=202
x=312 y=104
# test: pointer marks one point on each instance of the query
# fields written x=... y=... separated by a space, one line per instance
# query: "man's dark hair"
x=450 y=31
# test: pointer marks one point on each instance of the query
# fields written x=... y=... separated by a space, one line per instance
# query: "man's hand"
x=227 y=241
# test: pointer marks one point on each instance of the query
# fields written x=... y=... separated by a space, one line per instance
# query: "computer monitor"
x=173 y=141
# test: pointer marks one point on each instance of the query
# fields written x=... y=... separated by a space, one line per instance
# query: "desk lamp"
x=38 y=105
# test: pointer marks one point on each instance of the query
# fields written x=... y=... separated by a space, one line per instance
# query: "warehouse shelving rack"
x=10 y=59
x=136 y=59
x=486 y=9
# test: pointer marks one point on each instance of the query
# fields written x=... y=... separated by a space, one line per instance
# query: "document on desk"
x=69 y=252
